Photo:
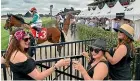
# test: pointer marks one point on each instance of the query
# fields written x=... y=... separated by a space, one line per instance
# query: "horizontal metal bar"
x=56 y=59
x=2 y=66
x=62 y=43
x=61 y=72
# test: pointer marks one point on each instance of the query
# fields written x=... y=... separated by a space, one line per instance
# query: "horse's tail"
x=62 y=36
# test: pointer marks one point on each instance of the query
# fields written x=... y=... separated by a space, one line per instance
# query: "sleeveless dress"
x=121 y=70
x=91 y=69
x=22 y=69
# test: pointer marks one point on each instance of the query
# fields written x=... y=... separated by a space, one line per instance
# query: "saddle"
x=41 y=34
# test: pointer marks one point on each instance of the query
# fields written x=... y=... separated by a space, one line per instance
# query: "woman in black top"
x=22 y=66
x=98 y=67
x=120 y=56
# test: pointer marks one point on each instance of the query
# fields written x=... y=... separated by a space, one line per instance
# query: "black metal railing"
x=65 y=73
x=68 y=49
x=47 y=55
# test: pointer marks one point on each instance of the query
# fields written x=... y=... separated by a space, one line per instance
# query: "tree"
x=28 y=14
x=72 y=9
x=88 y=8
x=65 y=10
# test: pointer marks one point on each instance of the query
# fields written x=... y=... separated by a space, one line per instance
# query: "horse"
x=51 y=34
x=73 y=26
x=66 y=23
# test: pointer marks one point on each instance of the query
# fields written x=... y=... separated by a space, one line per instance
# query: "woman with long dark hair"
x=21 y=64
x=121 y=55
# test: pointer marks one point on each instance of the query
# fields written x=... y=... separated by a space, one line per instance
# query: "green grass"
x=4 y=37
x=47 y=22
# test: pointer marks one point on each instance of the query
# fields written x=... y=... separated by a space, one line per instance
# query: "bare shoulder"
x=101 y=71
x=18 y=57
x=122 y=47
x=102 y=65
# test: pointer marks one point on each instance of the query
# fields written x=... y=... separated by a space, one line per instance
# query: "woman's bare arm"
x=118 y=55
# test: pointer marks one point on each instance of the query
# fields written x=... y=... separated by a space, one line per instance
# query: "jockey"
x=61 y=21
x=36 y=22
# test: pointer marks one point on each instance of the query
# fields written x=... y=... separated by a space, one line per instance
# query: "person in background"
x=112 y=25
x=21 y=64
x=98 y=66
x=87 y=21
x=120 y=56
x=116 y=24
x=61 y=20
x=36 y=22
x=107 y=28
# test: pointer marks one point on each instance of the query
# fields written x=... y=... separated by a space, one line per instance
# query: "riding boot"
x=36 y=28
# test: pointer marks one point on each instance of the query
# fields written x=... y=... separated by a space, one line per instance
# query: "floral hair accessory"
x=19 y=34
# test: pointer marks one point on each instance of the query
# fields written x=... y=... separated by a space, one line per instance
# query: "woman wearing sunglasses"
x=23 y=66
x=98 y=66
x=121 y=56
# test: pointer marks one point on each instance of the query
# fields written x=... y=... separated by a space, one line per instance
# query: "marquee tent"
x=132 y=12
x=96 y=12
x=118 y=8
x=104 y=11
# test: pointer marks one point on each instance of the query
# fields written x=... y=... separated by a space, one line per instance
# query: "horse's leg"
x=55 y=39
x=59 y=47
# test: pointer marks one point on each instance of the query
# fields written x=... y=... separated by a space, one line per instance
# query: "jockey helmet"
x=33 y=9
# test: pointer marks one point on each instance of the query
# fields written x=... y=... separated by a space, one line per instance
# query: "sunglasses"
x=95 y=50
x=26 y=39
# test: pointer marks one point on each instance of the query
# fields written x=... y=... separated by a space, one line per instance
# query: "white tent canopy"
x=96 y=12
x=118 y=8
x=83 y=13
x=89 y=14
x=132 y=12
x=104 y=11
x=86 y=13
x=137 y=29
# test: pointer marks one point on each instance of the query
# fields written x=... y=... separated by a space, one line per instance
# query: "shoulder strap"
x=104 y=62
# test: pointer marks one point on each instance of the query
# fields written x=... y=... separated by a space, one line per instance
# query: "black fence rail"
x=47 y=55
x=65 y=73
x=68 y=49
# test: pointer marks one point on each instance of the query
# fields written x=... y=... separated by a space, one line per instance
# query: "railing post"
x=4 y=71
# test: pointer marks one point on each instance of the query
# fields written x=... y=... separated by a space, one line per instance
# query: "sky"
x=22 y=6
